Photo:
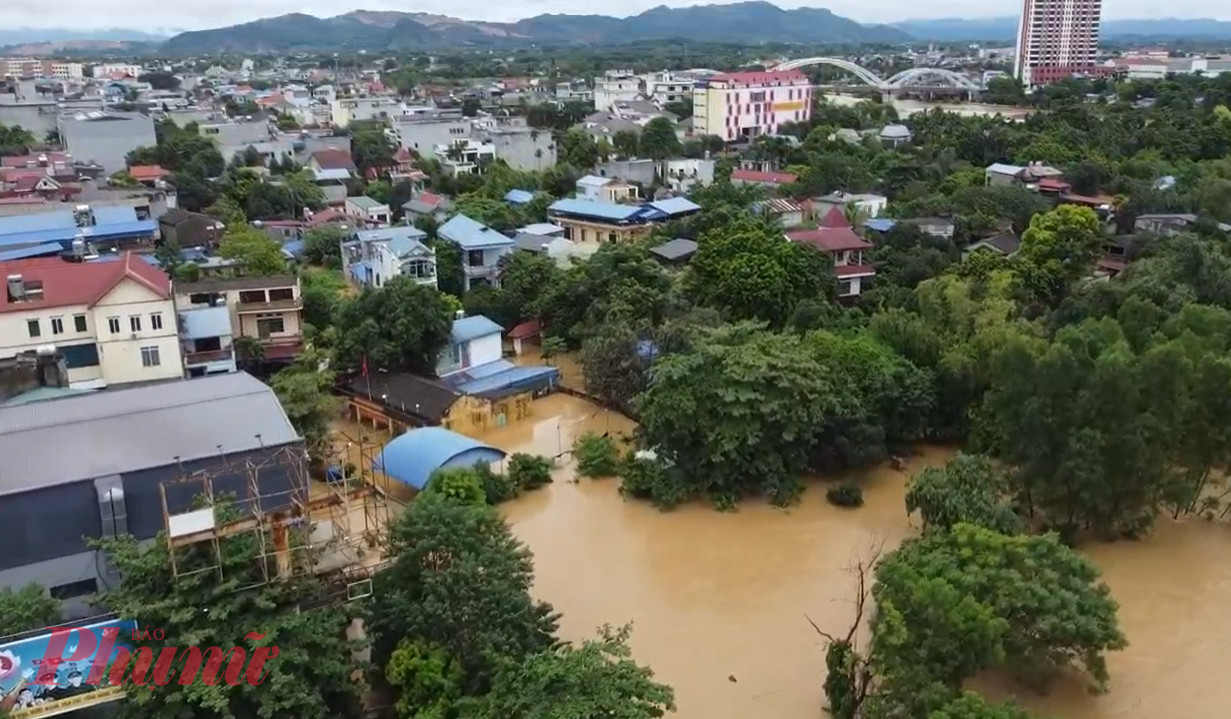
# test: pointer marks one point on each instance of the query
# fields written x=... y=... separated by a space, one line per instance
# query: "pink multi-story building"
x=1056 y=39
x=742 y=105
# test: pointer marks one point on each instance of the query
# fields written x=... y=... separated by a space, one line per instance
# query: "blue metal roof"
x=472 y=328
x=879 y=224
x=293 y=249
x=390 y=233
x=675 y=206
x=412 y=457
x=114 y=257
x=518 y=197
x=600 y=210
x=46 y=250
x=472 y=235
x=114 y=215
x=42 y=221
x=119 y=229
x=512 y=379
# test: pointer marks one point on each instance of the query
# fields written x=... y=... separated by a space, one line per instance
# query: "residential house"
x=675 y=253
x=335 y=184
x=205 y=333
x=684 y=174
x=941 y=227
x=615 y=86
x=866 y=204
x=427 y=204
x=465 y=157
x=999 y=173
x=346 y=110
x=523 y=148
x=589 y=221
x=1164 y=224
x=1005 y=244
x=370 y=258
x=1053 y=186
x=544 y=229
x=106 y=138
x=482 y=249
x=329 y=216
x=368 y=212
x=190 y=229
x=331 y=158
x=474 y=363
x=99 y=465
x=605 y=189
x=835 y=238
x=785 y=212
x=267 y=309
x=768 y=180
x=519 y=197
x=113 y=322
x=562 y=251
x=636 y=171
x=148 y=175
x=423 y=133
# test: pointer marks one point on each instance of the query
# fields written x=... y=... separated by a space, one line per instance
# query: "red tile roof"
x=1088 y=199
x=526 y=329
x=762 y=77
x=835 y=218
x=830 y=239
x=80 y=283
x=430 y=199
x=24 y=160
x=1054 y=183
x=17 y=174
x=333 y=159
x=777 y=178
x=325 y=216
x=147 y=173
x=854 y=270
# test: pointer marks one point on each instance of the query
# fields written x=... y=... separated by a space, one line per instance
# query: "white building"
x=66 y=71
x=346 y=110
x=116 y=70
x=370 y=258
x=613 y=86
x=666 y=87
x=114 y=322
x=464 y=157
x=683 y=174
x=1056 y=40
x=367 y=211
x=19 y=67
x=744 y=105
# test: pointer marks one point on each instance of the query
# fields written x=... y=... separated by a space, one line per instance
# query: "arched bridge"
x=914 y=77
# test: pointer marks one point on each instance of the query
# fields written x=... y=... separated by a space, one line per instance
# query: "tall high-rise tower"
x=1055 y=39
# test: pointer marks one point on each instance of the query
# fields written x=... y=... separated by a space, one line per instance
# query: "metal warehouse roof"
x=412 y=457
x=118 y=431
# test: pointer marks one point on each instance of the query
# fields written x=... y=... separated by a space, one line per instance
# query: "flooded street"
x=718 y=600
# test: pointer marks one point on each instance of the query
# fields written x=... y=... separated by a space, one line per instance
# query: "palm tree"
x=855 y=215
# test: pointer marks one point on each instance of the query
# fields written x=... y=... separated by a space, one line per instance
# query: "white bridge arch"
x=913 y=77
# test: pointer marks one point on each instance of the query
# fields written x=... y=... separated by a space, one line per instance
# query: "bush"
x=528 y=471
x=496 y=487
x=651 y=480
x=458 y=484
x=596 y=456
x=845 y=495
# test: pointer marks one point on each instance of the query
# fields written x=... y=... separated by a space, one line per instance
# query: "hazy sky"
x=196 y=14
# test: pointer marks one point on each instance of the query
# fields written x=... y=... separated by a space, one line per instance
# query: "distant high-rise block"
x=1056 y=39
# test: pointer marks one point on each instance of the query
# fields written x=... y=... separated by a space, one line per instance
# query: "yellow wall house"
x=114 y=322
x=594 y=222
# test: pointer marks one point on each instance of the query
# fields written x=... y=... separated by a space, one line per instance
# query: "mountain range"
x=752 y=22
x=1005 y=29
x=24 y=35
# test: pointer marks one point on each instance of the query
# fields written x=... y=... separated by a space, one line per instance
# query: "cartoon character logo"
x=9 y=664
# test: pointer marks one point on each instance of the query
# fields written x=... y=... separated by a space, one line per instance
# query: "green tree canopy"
x=400 y=326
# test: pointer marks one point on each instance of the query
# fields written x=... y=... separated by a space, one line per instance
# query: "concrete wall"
x=525 y=150
x=107 y=140
x=423 y=136
x=486 y=349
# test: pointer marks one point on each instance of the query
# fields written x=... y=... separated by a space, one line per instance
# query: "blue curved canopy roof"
x=412 y=457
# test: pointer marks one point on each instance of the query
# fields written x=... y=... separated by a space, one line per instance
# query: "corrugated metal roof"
x=601 y=210
x=118 y=431
x=676 y=249
x=114 y=215
x=471 y=235
x=541 y=228
x=675 y=206
x=21 y=224
x=412 y=457
x=513 y=377
x=518 y=196
x=471 y=328
x=364 y=202
x=44 y=250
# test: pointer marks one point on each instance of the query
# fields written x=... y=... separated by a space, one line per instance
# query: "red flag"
x=365 y=366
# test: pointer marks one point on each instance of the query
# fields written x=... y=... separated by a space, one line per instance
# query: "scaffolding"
x=294 y=526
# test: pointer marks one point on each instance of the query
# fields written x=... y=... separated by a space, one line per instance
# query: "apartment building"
x=18 y=67
x=613 y=86
x=743 y=105
x=346 y=110
x=368 y=212
x=1056 y=40
x=465 y=157
x=424 y=132
x=117 y=70
x=114 y=322
x=267 y=309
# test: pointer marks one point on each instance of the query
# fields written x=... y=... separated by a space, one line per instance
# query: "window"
x=156 y=321
x=113 y=324
x=33 y=328
x=79 y=323
x=75 y=589
x=611 y=237
x=266 y=326
x=846 y=287
x=57 y=325
x=251 y=296
x=76 y=356
x=474 y=258
x=149 y=357
x=134 y=323
x=281 y=295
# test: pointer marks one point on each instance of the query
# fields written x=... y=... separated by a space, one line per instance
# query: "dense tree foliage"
x=29 y=607
x=400 y=326
x=968 y=490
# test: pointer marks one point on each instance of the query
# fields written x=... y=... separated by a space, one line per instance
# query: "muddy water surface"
x=718 y=600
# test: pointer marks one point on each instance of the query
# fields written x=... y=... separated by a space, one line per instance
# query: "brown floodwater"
x=720 y=602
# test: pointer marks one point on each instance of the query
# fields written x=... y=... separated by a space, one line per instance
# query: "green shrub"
x=596 y=456
x=846 y=494
x=497 y=487
x=528 y=471
x=653 y=481
x=458 y=484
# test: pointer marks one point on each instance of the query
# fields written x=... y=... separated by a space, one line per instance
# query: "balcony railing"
x=199 y=358
x=275 y=306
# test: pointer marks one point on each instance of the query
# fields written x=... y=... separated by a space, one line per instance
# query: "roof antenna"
x=259 y=440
